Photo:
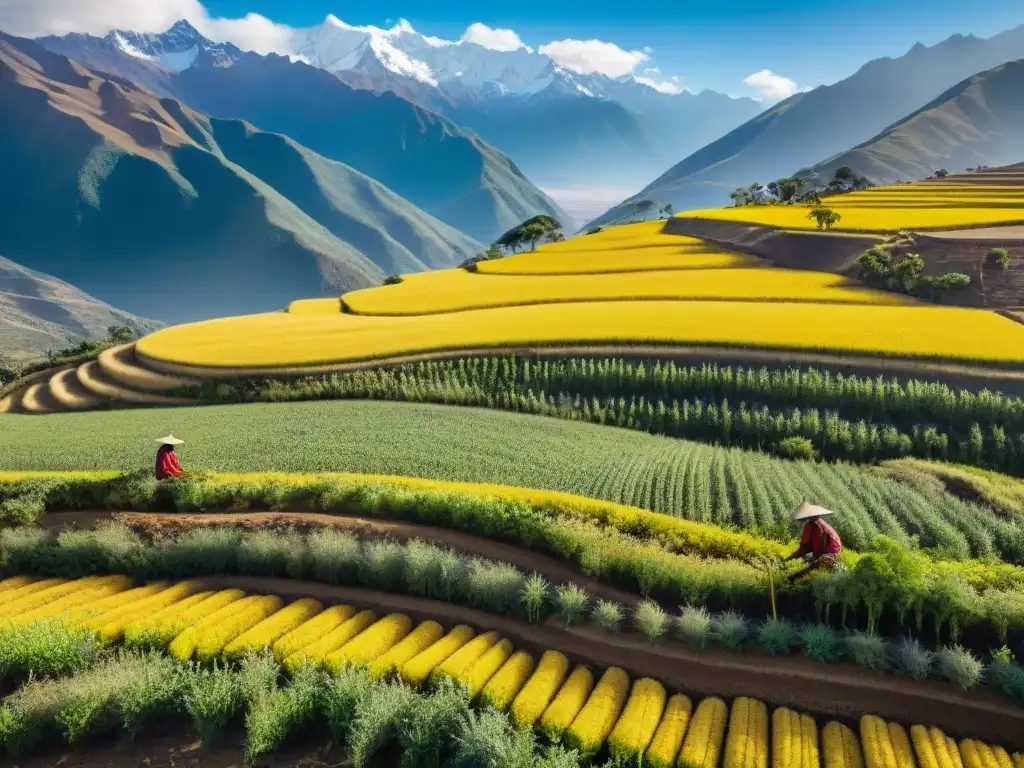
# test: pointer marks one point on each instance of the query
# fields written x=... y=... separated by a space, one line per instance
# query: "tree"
x=8 y=371
x=941 y=173
x=120 y=334
x=1000 y=257
x=739 y=197
x=530 y=231
x=555 y=237
x=825 y=218
x=667 y=209
x=904 y=274
x=845 y=174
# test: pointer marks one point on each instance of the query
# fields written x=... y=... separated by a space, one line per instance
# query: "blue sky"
x=709 y=44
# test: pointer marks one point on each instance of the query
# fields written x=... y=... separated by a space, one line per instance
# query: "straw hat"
x=806 y=510
x=169 y=440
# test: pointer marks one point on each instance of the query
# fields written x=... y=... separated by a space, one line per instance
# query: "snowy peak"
x=176 y=49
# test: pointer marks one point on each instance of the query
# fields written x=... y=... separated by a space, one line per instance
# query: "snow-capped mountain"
x=590 y=127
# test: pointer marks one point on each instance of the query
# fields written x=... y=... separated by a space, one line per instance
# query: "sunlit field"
x=890 y=209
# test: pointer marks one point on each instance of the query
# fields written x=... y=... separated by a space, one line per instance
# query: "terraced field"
x=590 y=710
x=930 y=206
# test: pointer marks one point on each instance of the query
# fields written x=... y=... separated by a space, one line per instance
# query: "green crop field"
x=724 y=486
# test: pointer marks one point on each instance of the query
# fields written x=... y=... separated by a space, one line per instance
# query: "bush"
x=427 y=731
x=153 y=695
x=535 y=597
x=820 y=642
x=651 y=620
x=213 y=698
x=607 y=615
x=777 y=637
x=796 y=448
x=959 y=666
x=281 y=715
x=1006 y=676
x=22 y=510
x=45 y=649
x=867 y=650
x=913 y=660
x=377 y=720
x=693 y=625
x=1000 y=257
x=571 y=603
x=731 y=630
x=392 y=280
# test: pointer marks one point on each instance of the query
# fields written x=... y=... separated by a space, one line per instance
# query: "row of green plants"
x=370 y=722
x=890 y=589
x=843 y=416
x=637 y=551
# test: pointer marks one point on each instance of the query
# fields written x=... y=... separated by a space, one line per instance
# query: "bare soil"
x=834 y=690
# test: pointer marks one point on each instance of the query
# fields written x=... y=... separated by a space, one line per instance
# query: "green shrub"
x=427 y=731
x=495 y=587
x=1006 y=676
x=270 y=554
x=22 y=511
x=867 y=649
x=820 y=642
x=382 y=565
x=796 y=448
x=534 y=596
x=607 y=614
x=730 y=629
x=342 y=696
x=959 y=666
x=571 y=603
x=910 y=658
x=275 y=718
x=213 y=699
x=651 y=620
x=488 y=739
x=153 y=695
x=777 y=637
x=1000 y=257
x=334 y=556
x=45 y=649
x=693 y=625
x=377 y=720
x=392 y=280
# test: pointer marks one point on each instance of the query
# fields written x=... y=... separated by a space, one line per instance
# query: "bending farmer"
x=167 y=465
x=820 y=545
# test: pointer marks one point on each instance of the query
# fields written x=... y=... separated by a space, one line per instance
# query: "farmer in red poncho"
x=820 y=545
x=167 y=465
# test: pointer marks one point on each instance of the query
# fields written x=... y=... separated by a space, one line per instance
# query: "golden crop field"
x=280 y=340
x=635 y=718
x=890 y=209
x=627 y=248
x=455 y=290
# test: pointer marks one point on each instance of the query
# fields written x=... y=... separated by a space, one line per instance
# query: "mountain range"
x=550 y=120
x=426 y=158
x=39 y=313
x=979 y=121
x=809 y=127
x=164 y=211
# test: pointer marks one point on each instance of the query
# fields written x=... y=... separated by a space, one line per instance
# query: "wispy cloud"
x=594 y=56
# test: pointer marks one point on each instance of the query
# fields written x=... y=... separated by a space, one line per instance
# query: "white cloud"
x=31 y=18
x=594 y=56
x=652 y=71
x=771 y=87
x=665 y=86
x=489 y=37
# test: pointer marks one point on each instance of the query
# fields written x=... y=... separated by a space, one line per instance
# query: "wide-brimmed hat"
x=806 y=510
x=170 y=440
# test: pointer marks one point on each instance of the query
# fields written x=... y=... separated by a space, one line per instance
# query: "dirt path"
x=826 y=690
x=1014 y=232
x=155 y=524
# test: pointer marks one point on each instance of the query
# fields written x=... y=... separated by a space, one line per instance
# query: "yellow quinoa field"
x=636 y=720
x=890 y=209
x=277 y=340
x=456 y=290
x=625 y=286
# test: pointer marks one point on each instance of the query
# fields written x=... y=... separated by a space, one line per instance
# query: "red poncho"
x=167 y=463
x=819 y=538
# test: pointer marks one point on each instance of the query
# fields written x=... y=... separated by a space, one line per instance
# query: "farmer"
x=820 y=545
x=167 y=465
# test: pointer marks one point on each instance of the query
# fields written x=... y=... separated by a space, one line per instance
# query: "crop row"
x=634 y=719
x=901 y=402
x=890 y=587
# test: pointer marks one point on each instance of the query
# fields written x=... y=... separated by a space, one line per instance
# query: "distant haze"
x=586 y=203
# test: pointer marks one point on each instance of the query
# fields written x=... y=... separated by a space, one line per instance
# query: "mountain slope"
x=808 y=127
x=133 y=199
x=425 y=158
x=980 y=121
x=38 y=313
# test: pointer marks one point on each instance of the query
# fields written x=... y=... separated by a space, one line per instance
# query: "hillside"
x=40 y=313
x=980 y=121
x=163 y=211
x=429 y=160
x=808 y=127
